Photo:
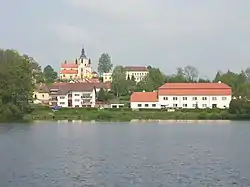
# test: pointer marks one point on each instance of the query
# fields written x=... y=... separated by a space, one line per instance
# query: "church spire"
x=83 y=55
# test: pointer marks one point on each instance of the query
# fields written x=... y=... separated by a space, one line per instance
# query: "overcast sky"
x=208 y=34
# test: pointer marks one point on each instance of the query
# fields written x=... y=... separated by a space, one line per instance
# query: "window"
x=185 y=105
x=195 y=105
x=139 y=105
x=175 y=105
x=43 y=95
x=204 y=105
x=184 y=98
x=204 y=98
x=153 y=105
x=77 y=100
x=146 y=105
x=194 y=98
x=214 y=98
x=174 y=98
x=35 y=97
x=62 y=103
x=62 y=97
x=224 y=98
x=77 y=94
x=165 y=98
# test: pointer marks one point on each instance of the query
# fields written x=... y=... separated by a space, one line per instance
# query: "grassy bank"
x=86 y=114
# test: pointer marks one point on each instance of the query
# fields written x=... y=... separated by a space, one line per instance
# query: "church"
x=79 y=70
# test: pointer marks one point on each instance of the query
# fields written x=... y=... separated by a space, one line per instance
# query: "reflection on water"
x=51 y=154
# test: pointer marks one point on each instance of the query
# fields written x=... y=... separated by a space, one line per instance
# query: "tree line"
x=19 y=73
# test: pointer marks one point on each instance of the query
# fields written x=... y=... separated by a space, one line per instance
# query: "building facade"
x=41 y=94
x=132 y=72
x=79 y=70
x=186 y=95
x=75 y=94
x=136 y=72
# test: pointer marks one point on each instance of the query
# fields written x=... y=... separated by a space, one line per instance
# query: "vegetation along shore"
x=126 y=114
x=19 y=74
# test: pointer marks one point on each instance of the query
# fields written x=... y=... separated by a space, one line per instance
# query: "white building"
x=75 y=94
x=184 y=95
x=137 y=72
x=144 y=100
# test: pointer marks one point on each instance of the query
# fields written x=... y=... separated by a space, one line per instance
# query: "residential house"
x=41 y=94
x=138 y=72
x=75 y=94
x=187 y=95
x=144 y=100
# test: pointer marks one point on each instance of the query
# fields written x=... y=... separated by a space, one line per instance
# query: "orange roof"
x=194 y=85
x=136 y=68
x=69 y=65
x=68 y=71
x=144 y=97
x=195 y=89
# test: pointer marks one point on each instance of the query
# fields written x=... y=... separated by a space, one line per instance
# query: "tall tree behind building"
x=105 y=65
x=50 y=75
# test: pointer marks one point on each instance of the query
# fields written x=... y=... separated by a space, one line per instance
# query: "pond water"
x=151 y=154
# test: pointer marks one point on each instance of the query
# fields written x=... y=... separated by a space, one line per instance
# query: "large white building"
x=184 y=95
x=75 y=94
x=132 y=72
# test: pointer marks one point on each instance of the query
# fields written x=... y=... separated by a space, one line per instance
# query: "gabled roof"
x=42 y=88
x=194 y=86
x=64 y=88
x=69 y=65
x=144 y=97
x=136 y=68
x=175 y=89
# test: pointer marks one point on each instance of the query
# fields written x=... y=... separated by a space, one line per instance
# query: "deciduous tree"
x=105 y=65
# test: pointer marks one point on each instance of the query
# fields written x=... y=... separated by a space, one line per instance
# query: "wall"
x=192 y=103
x=139 y=75
x=62 y=100
x=134 y=105
x=40 y=97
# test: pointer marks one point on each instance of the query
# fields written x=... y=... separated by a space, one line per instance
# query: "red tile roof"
x=69 y=65
x=69 y=71
x=144 y=97
x=136 y=68
x=195 y=89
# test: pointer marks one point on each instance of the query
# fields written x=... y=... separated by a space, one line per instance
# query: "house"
x=144 y=100
x=41 y=94
x=73 y=95
x=138 y=72
x=185 y=95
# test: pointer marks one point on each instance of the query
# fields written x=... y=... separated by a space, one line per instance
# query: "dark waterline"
x=50 y=154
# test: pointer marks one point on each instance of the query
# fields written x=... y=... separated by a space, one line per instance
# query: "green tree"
x=36 y=69
x=105 y=65
x=154 y=79
x=16 y=85
x=49 y=74
x=101 y=95
x=119 y=83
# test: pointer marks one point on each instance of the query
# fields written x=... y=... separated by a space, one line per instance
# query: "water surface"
x=50 y=154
